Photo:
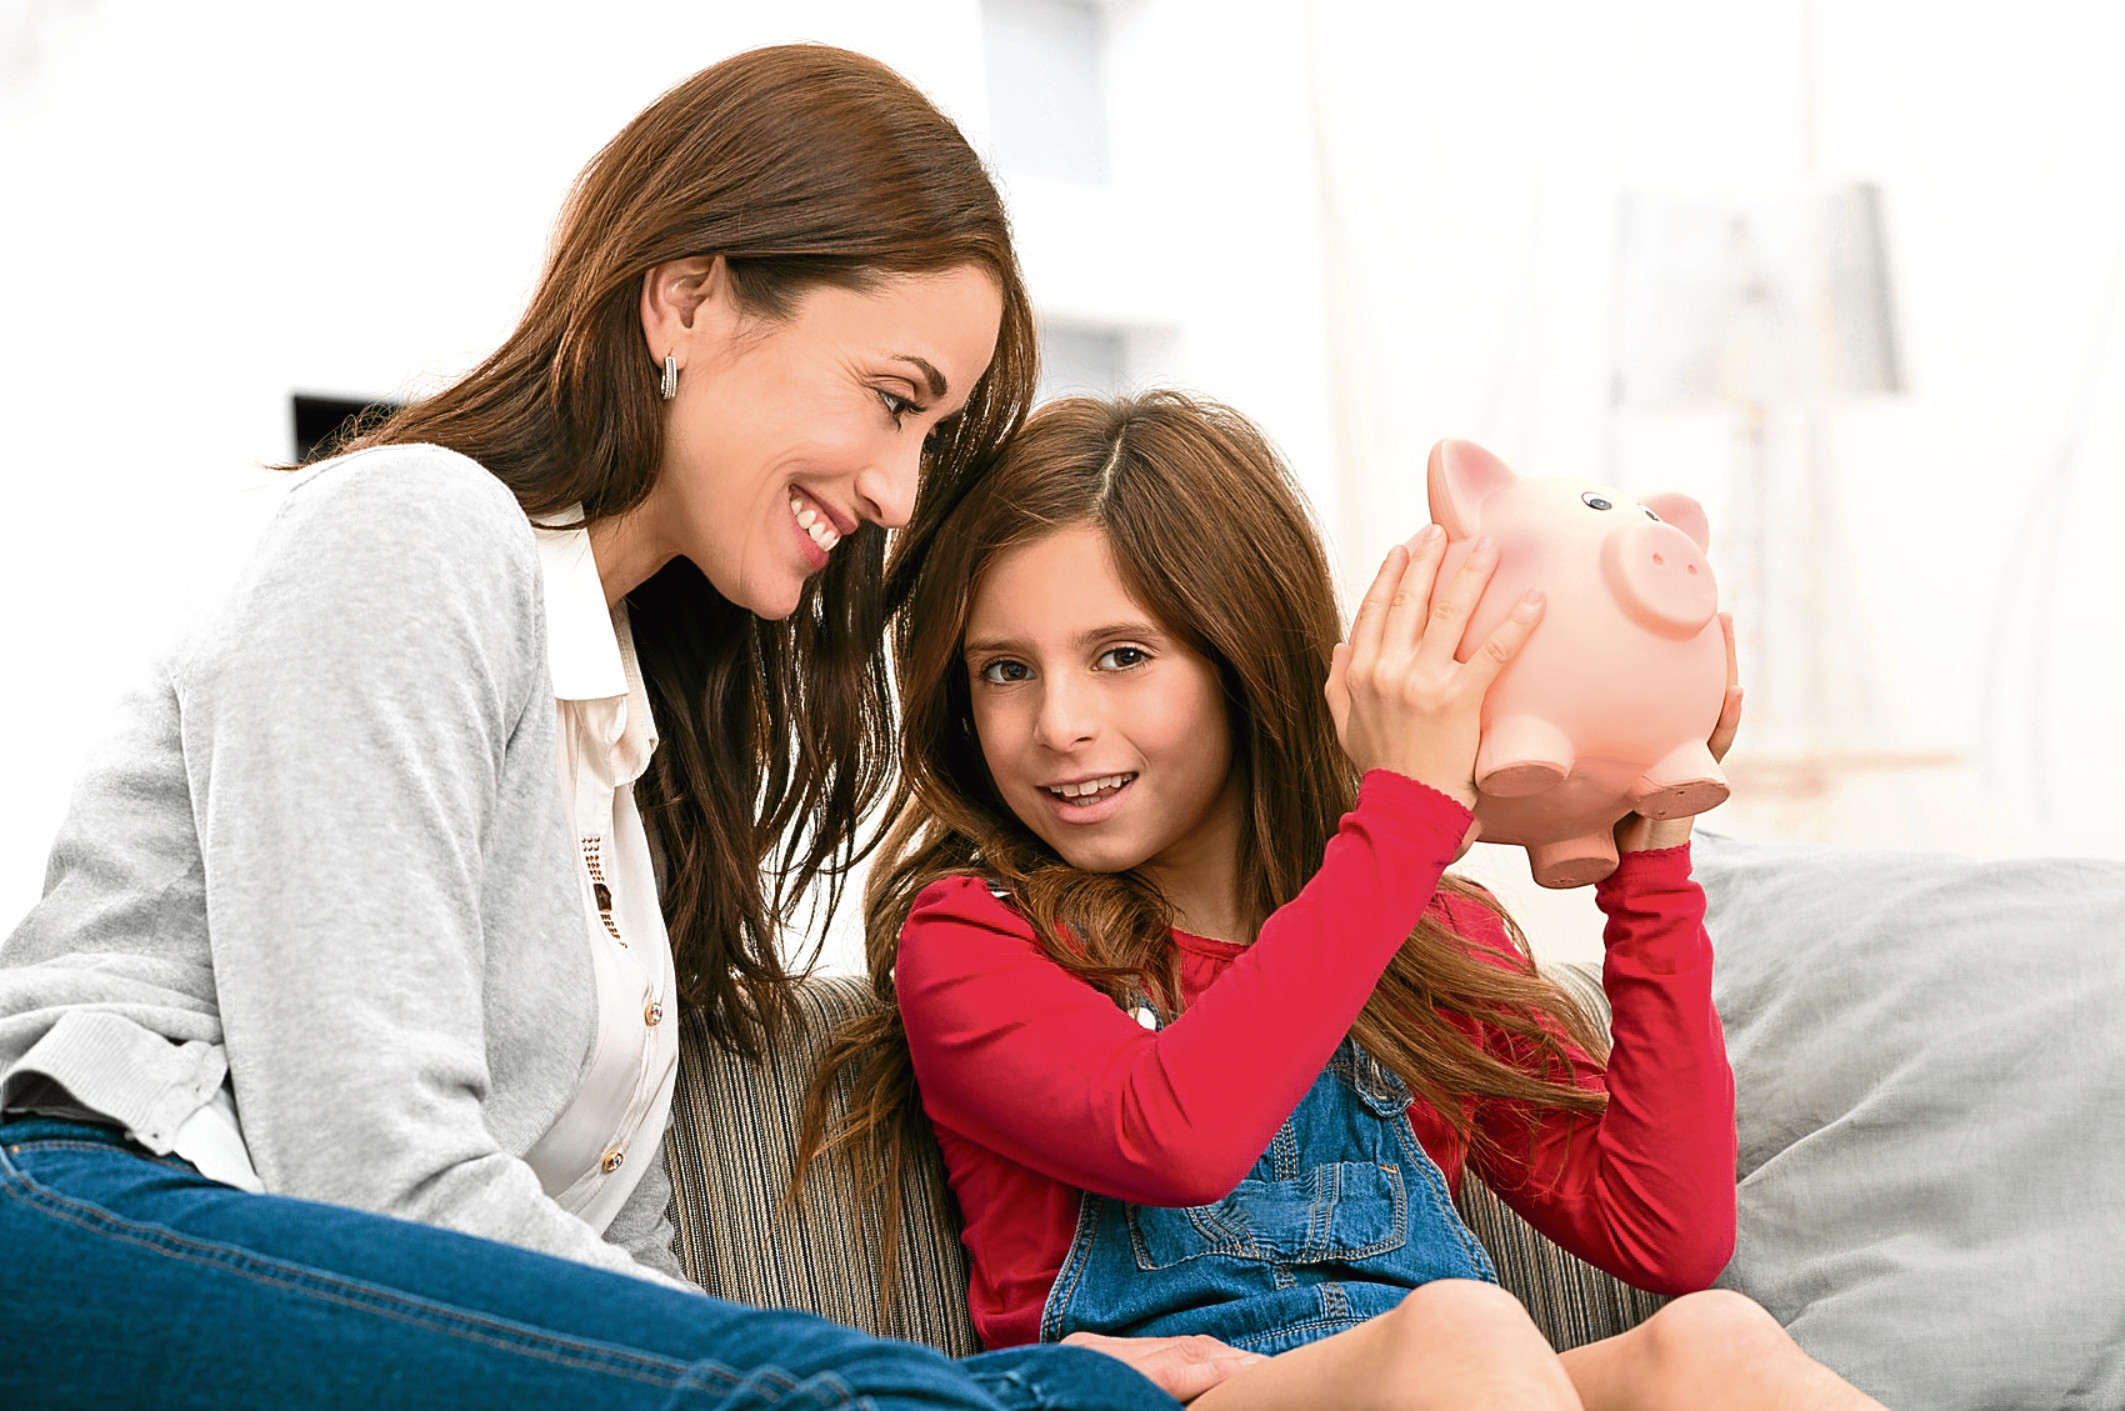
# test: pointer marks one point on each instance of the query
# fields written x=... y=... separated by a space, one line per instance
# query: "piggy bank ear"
x=1461 y=476
x=1684 y=513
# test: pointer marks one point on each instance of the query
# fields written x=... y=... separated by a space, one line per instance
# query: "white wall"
x=210 y=206
x=172 y=266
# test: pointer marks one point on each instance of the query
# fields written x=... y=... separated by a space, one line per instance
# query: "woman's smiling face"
x=1104 y=733
x=788 y=434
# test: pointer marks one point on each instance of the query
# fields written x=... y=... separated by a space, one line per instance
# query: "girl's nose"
x=1067 y=718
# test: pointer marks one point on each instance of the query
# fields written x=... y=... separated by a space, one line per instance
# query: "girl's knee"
x=1469 y=1312
x=1717 y=1326
x=1473 y=1343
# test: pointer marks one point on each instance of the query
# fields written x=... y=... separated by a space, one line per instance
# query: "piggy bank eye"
x=1650 y=515
x=1596 y=501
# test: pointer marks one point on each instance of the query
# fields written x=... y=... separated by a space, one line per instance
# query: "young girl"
x=1203 y=1029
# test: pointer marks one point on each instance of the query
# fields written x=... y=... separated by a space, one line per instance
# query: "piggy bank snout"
x=1660 y=578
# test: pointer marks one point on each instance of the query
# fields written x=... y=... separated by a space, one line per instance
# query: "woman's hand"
x=1183 y=1367
x=1637 y=833
x=1400 y=699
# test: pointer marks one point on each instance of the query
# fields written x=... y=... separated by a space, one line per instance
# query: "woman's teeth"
x=813 y=523
x=1091 y=788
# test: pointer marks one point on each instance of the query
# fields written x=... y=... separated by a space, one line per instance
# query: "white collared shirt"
x=596 y=1151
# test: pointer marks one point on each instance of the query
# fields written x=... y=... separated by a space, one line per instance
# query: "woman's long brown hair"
x=802 y=166
x=1212 y=537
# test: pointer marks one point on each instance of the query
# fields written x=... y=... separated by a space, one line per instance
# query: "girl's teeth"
x=1091 y=786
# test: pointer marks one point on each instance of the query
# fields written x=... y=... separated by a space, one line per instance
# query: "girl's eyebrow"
x=1117 y=629
x=1084 y=639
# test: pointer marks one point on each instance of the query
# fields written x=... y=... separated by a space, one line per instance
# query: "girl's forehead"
x=1057 y=580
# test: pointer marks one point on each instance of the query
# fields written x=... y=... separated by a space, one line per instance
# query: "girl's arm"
x=1021 y=1057
x=1645 y=1189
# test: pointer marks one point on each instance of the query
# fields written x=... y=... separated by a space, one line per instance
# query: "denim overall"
x=1341 y=1217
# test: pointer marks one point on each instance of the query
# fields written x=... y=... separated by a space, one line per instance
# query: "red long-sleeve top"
x=1039 y=1086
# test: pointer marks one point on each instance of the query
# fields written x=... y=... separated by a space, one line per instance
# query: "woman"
x=325 y=938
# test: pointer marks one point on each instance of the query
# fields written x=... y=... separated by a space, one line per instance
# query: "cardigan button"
x=612 y=1161
x=653 y=1014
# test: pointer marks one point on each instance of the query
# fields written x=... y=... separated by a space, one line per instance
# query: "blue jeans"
x=132 y=1281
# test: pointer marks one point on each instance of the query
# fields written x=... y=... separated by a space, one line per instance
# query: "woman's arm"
x=643 y=1225
x=379 y=844
x=1645 y=1189
x=1019 y=1056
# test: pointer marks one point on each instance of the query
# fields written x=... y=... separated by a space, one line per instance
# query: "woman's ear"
x=675 y=297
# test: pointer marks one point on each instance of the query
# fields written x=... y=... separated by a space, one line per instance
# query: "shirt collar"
x=582 y=647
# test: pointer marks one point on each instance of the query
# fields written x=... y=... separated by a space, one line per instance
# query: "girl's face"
x=787 y=434
x=1105 y=734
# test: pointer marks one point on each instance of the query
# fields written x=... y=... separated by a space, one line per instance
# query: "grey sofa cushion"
x=734 y=1132
x=1929 y=1055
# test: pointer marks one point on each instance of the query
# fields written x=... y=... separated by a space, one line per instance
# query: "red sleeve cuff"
x=1652 y=867
x=1439 y=818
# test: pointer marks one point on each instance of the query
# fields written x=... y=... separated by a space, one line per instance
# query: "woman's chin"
x=770 y=602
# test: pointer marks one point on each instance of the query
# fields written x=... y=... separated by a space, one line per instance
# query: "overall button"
x=612 y=1161
x=653 y=1014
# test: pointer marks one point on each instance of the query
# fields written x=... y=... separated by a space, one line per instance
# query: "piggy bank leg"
x=1575 y=862
x=1521 y=755
x=1687 y=782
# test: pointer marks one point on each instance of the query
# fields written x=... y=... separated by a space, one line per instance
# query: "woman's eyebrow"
x=931 y=377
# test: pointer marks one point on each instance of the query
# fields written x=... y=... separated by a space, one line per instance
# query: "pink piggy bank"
x=1607 y=707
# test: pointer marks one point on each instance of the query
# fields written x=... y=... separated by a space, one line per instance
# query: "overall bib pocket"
x=1337 y=1212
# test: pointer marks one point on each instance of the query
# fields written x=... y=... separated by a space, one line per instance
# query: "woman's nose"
x=887 y=489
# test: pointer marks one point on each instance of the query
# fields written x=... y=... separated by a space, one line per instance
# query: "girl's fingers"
x=1337 y=691
x=1730 y=708
x=1504 y=644
x=1412 y=597
x=1372 y=611
x=1729 y=724
x=1449 y=621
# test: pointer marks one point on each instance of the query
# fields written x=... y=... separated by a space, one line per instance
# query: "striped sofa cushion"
x=734 y=1133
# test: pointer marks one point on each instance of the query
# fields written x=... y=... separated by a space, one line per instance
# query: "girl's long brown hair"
x=1212 y=537
x=802 y=166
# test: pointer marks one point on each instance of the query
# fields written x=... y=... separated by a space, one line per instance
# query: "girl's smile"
x=1089 y=800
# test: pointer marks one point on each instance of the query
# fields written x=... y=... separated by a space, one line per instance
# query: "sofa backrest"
x=730 y=1150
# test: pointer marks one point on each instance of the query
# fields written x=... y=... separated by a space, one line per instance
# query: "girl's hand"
x=1400 y=699
x=1182 y=1367
x=1636 y=833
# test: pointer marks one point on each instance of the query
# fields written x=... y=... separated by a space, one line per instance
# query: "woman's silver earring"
x=670 y=385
